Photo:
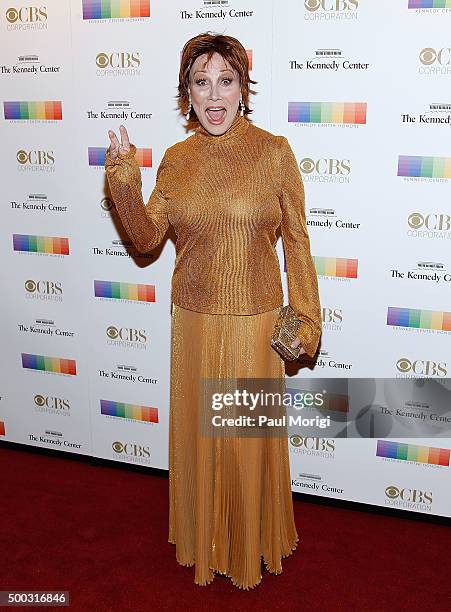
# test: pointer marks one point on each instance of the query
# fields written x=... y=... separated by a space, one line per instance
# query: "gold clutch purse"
x=285 y=330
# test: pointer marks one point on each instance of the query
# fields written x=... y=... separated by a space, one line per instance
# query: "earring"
x=190 y=106
x=242 y=107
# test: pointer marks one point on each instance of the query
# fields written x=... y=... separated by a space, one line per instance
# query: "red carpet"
x=101 y=533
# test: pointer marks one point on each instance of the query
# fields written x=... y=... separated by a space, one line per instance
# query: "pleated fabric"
x=230 y=497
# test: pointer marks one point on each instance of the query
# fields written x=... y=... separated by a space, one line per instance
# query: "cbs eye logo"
x=415 y=220
x=429 y=56
x=330 y=5
x=102 y=60
x=106 y=204
x=118 y=447
x=312 y=5
x=30 y=286
x=404 y=365
x=392 y=492
x=307 y=165
x=112 y=332
x=12 y=15
x=22 y=156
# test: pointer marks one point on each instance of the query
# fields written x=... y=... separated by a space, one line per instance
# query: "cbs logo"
x=133 y=450
x=432 y=221
x=331 y=5
x=44 y=287
x=410 y=495
x=420 y=366
x=39 y=158
x=127 y=334
x=325 y=166
x=121 y=59
x=26 y=14
x=56 y=403
x=318 y=444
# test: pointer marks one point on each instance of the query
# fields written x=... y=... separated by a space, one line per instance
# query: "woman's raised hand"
x=116 y=146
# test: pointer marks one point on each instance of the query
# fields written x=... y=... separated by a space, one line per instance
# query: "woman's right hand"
x=116 y=146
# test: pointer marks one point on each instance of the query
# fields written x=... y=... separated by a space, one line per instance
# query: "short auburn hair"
x=230 y=49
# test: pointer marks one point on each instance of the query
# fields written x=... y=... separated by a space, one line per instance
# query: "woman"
x=225 y=189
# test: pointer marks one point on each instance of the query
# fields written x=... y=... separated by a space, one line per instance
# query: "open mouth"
x=216 y=114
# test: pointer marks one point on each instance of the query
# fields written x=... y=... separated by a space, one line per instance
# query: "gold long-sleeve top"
x=225 y=197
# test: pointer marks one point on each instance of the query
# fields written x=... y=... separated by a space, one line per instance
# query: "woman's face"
x=215 y=93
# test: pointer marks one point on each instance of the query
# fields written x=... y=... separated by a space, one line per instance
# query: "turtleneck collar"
x=237 y=128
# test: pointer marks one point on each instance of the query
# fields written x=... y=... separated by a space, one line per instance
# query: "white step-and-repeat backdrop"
x=361 y=88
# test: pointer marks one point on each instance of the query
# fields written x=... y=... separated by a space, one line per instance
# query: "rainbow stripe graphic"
x=40 y=244
x=2 y=429
x=327 y=112
x=112 y=9
x=336 y=266
x=49 y=364
x=124 y=291
x=426 y=167
x=49 y=110
x=129 y=411
x=411 y=452
x=96 y=156
x=423 y=319
x=429 y=3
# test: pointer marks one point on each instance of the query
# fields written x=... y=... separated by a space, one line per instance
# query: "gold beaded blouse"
x=225 y=197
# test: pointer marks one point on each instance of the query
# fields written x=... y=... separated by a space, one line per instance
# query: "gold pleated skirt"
x=230 y=501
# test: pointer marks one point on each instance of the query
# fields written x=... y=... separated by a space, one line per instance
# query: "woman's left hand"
x=296 y=343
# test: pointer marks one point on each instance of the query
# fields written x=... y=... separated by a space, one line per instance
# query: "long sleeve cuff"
x=309 y=337
x=145 y=224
